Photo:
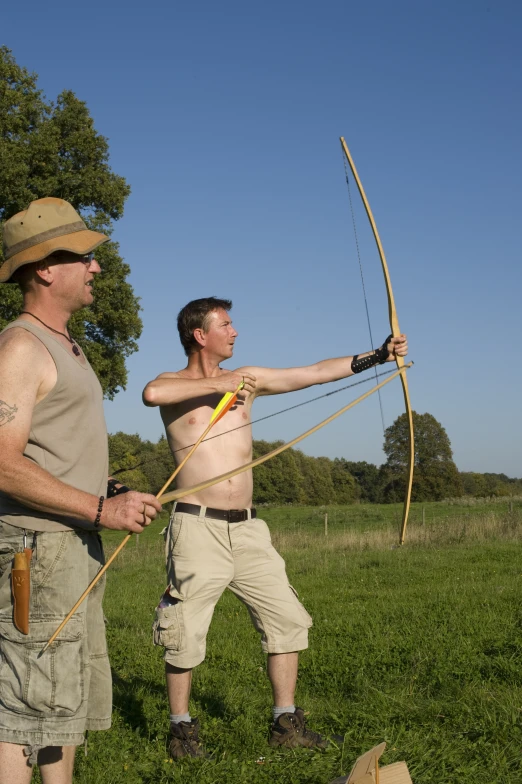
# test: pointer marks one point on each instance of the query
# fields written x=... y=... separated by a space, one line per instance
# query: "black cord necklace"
x=75 y=349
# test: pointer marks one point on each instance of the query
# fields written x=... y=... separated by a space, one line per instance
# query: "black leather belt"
x=229 y=515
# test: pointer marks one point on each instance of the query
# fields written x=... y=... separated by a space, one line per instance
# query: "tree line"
x=296 y=478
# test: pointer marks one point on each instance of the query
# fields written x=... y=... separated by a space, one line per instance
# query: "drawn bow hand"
x=229 y=382
x=397 y=347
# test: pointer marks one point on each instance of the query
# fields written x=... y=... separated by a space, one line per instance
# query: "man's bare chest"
x=186 y=421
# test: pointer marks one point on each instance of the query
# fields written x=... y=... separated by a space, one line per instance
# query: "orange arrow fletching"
x=226 y=407
x=221 y=405
x=225 y=404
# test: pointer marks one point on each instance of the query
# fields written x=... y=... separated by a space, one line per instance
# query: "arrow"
x=224 y=405
x=175 y=495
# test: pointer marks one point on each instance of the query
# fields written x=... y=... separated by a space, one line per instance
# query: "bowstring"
x=260 y=419
x=347 y=178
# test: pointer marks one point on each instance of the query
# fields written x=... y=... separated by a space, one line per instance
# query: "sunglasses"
x=87 y=259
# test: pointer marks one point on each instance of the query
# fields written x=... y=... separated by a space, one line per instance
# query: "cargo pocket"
x=168 y=628
x=306 y=617
x=51 y=684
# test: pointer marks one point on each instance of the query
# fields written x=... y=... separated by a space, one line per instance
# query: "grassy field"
x=420 y=646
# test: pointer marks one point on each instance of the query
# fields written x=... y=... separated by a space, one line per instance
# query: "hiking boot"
x=184 y=740
x=290 y=730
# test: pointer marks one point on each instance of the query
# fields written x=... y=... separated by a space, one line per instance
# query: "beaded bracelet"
x=99 y=512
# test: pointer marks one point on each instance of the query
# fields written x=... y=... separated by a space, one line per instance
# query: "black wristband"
x=112 y=490
x=363 y=363
x=379 y=356
x=99 y=512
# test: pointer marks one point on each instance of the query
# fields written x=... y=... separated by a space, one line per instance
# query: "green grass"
x=420 y=646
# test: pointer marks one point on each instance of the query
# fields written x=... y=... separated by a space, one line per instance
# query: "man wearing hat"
x=54 y=500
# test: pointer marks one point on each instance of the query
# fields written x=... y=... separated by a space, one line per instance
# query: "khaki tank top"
x=68 y=436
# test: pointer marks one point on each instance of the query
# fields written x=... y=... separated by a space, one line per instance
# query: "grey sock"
x=277 y=711
x=175 y=718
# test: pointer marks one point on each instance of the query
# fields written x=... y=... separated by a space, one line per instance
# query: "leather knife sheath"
x=21 y=589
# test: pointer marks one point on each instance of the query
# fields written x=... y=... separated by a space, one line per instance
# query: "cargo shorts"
x=50 y=700
x=205 y=556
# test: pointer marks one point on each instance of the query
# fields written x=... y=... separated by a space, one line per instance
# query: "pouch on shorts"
x=168 y=629
x=51 y=684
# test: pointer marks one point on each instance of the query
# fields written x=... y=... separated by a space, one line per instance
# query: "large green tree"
x=435 y=474
x=52 y=149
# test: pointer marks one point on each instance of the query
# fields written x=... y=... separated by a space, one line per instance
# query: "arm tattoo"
x=7 y=413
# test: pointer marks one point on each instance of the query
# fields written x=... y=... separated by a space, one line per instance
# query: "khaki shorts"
x=205 y=556
x=51 y=700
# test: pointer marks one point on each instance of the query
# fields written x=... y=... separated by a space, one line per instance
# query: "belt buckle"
x=236 y=515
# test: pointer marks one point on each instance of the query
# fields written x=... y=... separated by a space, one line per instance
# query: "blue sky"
x=224 y=118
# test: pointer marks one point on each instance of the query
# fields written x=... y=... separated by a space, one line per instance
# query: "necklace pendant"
x=76 y=350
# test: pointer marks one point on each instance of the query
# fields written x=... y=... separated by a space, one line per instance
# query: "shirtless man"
x=215 y=540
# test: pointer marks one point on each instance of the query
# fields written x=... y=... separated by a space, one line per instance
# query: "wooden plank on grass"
x=397 y=773
x=366 y=770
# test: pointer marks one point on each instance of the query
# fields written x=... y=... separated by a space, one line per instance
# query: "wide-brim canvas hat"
x=46 y=226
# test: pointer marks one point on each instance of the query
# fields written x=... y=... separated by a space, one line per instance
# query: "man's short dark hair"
x=196 y=315
x=24 y=275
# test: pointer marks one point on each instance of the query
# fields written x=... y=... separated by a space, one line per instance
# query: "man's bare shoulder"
x=18 y=345
x=170 y=374
x=27 y=370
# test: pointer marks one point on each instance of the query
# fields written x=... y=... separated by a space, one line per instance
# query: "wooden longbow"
x=401 y=370
x=394 y=325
